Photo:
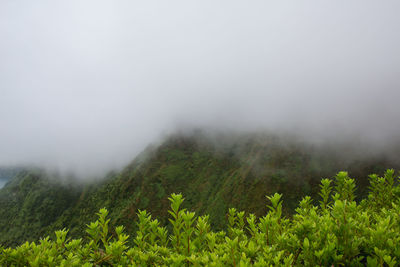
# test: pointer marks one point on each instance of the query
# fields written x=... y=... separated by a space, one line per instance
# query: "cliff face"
x=213 y=174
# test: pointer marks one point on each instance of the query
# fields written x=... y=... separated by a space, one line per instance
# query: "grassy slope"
x=212 y=177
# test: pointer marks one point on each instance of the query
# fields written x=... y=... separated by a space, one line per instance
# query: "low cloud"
x=86 y=85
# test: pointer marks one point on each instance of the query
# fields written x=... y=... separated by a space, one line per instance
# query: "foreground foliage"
x=337 y=231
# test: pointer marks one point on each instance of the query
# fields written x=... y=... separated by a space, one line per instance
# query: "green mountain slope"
x=212 y=173
x=30 y=203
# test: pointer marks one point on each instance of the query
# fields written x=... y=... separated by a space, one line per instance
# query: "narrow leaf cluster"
x=336 y=232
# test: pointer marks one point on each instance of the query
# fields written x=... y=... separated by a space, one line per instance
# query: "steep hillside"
x=212 y=173
x=29 y=203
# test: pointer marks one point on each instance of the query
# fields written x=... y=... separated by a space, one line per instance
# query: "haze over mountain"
x=214 y=173
x=86 y=85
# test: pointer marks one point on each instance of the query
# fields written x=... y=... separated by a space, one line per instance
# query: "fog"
x=86 y=85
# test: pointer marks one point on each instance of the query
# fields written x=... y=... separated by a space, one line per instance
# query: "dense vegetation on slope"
x=31 y=202
x=336 y=232
x=213 y=175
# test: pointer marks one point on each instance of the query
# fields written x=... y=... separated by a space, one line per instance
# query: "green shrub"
x=339 y=232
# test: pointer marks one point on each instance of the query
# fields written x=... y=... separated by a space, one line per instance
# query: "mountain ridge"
x=213 y=174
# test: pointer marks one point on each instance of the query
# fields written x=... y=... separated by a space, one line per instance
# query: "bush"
x=337 y=232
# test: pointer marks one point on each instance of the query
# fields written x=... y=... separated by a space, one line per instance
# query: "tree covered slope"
x=213 y=174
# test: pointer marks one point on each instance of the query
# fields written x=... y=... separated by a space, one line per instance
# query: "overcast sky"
x=86 y=85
